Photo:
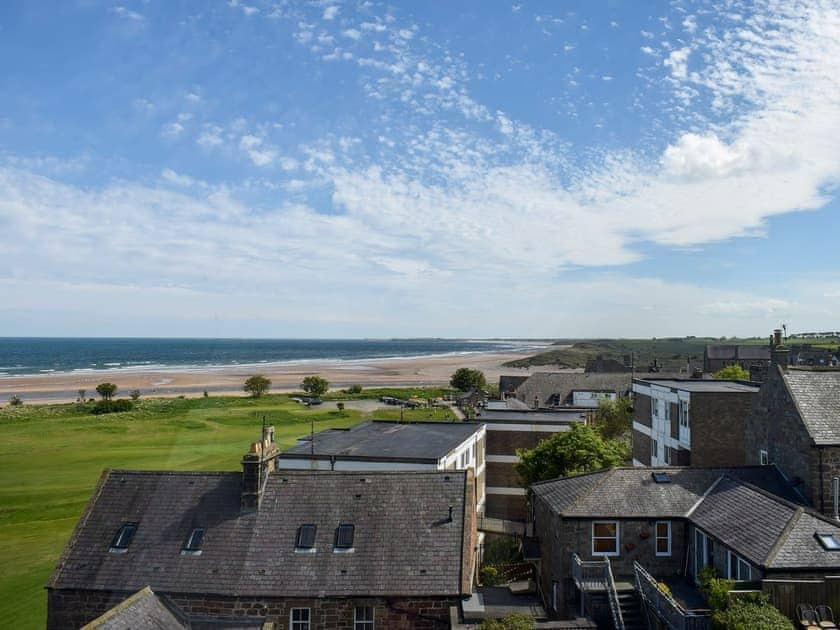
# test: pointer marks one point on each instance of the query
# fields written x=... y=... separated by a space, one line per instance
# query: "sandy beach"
x=414 y=371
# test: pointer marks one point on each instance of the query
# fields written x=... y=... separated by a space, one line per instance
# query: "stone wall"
x=641 y=409
x=71 y=609
x=507 y=506
x=718 y=427
x=641 y=447
x=506 y=442
x=502 y=475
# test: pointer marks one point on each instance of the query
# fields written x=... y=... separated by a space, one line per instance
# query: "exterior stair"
x=631 y=610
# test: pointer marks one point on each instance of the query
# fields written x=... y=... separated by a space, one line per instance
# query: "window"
x=299 y=619
x=663 y=538
x=123 y=537
x=363 y=618
x=344 y=538
x=305 y=539
x=192 y=546
x=666 y=411
x=684 y=414
x=829 y=542
x=654 y=448
x=739 y=569
x=763 y=458
x=605 y=538
x=660 y=477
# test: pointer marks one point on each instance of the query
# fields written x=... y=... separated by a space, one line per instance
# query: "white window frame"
x=300 y=625
x=657 y=538
x=616 y=538
x=763 y=457
x=740 y=564
x=684 y=418
x=654 y=451
x=364 y=624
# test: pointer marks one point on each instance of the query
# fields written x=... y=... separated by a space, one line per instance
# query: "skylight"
x=123 y=537
x=661 y=477
x=305 y=540
x=344 y=537
x=192 y=546
x=828 y=541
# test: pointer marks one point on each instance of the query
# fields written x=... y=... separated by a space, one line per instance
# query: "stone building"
x=545 y=390
x=682 y=422
x=299 y=549
x=748 y=522
x=796 y=425
x=718 y=356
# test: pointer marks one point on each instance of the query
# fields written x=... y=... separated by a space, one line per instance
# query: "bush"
x=111 y=406
x=716 y=591
x=354 y=389
x=511 y=622
x=489 y=575
x=15 y=400
x=135 y=394
x=751 y=615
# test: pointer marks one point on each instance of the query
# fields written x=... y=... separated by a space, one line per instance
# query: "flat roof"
x=381 y=439
x=542 y=416
x=701 y=385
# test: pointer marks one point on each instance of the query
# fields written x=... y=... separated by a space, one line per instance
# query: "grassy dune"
x=51 y=457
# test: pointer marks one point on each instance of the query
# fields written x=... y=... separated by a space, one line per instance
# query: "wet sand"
x=285 y=377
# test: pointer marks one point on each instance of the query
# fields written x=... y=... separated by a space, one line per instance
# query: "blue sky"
x=346 y=169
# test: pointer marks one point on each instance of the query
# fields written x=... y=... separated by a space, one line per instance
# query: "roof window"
x=123 y=537
x=828 y=541
x=305 y=540
x=344 y=538
x=661 y=477
x=192 y=546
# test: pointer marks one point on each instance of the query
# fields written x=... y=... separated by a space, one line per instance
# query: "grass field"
x=51 y=457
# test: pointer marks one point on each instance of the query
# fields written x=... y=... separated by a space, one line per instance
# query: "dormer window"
x=192 y=546
x=830 y=542
x=123 y=537
x=344 y=538
x=305 y=539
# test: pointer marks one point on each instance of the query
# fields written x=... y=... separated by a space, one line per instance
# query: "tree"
x=257 y=385
x=354 y=389
x=106 y=390
x=340 y=407
x=135 y=394
x=15 y=400
x=81 y=393
x=733 y=373
x=315 y=386
x=466 y=379
x=578 y=450
x=614 y=418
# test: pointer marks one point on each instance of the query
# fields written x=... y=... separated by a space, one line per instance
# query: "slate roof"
x=749 y=352
x=751 y=510
x=817 y=397
x=565 y=416
x=545 y=385
x=142 y=610
x=404 y=543
x=510 y=383
x=702 y=385
x=387 y=440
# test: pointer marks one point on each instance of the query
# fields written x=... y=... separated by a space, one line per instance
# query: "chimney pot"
x=777 y=337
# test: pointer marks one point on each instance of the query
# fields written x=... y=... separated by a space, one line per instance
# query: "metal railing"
x=596 y=575
x=665 y=607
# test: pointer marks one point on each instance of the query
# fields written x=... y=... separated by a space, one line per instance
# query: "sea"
x=23 y=356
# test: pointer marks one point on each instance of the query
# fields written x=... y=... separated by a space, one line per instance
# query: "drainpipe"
x=822 y=495
x=835 y=495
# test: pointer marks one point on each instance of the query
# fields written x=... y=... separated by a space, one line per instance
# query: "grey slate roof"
x=142 y=610
x=510 y=383
x=751 y=510
x=748 y=352
x=817 y=396
x=566 y=416
x=545 y=385
x=388 y=440
x=400 y=523
x=703 y=385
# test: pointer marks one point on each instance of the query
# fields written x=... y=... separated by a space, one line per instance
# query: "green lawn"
x=51 y=457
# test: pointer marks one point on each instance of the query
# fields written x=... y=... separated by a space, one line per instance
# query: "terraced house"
x=299 y=549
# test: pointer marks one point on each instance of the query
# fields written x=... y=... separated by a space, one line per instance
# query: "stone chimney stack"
x=779 y=352
x=257 y=464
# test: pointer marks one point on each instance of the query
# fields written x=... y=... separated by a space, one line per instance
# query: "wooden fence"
x=786 y=594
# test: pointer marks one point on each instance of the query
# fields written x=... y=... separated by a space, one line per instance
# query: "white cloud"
x=128 y=14
x=677 y=61
x=352 y=33
x=331 y=12
x=176 y=178
x=172 y=130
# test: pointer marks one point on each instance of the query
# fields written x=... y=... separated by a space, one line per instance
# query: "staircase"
x=631 y=610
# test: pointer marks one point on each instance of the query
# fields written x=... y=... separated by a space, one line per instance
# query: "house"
x=666 y=524
x=508 y=385
x=385 y=445
x=796 y=426
x=545 y=390
x=300 y=549
x=695 y=422
x=718 y=356
x=510 y=426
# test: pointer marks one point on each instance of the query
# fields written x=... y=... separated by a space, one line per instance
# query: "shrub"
x=340 y=407
x=257 y=385
x=751 y=615
x=15 y=400
x=716 y=591
x=206 y=395
x=354 y=389
x=511 y=622
x=135 y=394
x=489 y=575
x=112 y=406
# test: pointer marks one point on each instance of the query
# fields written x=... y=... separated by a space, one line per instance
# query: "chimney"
x=257 y=464
x=779 y=353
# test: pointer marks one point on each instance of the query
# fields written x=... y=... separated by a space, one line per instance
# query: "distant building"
x=300 y=549
x=547 y=390
x=601 y=365
x=682 y=422
x=511 y=426
x=387 y=445
x=508 y=385
x=718 y=356
x=665 y=523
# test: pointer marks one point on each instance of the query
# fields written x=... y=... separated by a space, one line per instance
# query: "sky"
x=259 y=168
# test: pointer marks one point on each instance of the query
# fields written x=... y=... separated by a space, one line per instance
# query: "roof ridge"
x=705 y=495
x=610 y=472
x=771 y=495
x=782 y=539
x=583 y=474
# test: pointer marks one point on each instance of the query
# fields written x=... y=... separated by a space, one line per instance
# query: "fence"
x=665 y=607
x=786 y=594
